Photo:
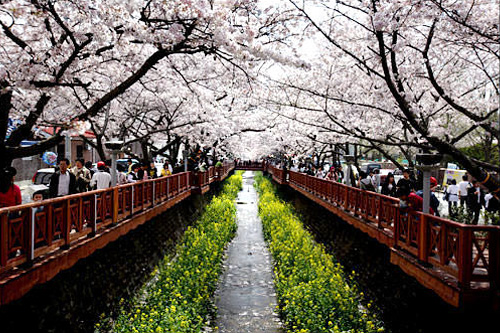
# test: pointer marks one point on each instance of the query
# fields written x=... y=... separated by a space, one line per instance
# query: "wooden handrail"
x=31 y=230
x=449 y=245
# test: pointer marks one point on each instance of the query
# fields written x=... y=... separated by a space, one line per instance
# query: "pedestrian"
x=491 y=202
x=130 y=165
x=82 y=175
x=463 y=188
x=365 y=182
x=10 y=193
x=406 y=181
x=121 y=176
x=451 y=195
x=101 y=179
x=320 y=173
x=389 y=186
x=410 y=200
x=37 y=197
x=152 y=173
x=373 y=180
x=89 y=167
x=376 y=176
x=475 y=201
x=340 y=174
x=167 y=169
x=331 y=175
x=142 y=174
x=433 y=200
x=132 y=177
x=62 y=182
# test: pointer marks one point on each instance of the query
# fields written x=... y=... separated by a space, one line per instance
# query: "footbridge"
x=459 y=262
x=38 y=240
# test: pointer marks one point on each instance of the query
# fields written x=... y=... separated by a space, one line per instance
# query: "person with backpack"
x=366 y=182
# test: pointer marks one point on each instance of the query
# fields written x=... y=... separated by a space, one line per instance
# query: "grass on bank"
x=180 y=298
x=314 y=293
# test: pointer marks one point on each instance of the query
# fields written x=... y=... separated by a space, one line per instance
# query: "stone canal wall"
x=75 y=298
x=399 y=300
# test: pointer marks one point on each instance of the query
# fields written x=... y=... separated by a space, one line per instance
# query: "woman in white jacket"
x=452 y=195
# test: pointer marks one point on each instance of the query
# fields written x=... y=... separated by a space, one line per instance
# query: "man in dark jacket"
x=62 y=181
x=475 y=200
x=407 y=181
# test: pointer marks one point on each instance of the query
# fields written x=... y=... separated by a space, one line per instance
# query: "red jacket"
x=11 y=198
x=416 y=203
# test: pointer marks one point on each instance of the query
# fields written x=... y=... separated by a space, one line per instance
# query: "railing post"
x=380 y=212
x=31 y=240
x=116 y=203
x=364 y=203
x=346 y=202
x=154 y=193
x=4 y=239
x=132 y=199
x=423 y=239
x=494 y=260
x=94 y=223
x=465 y=256
x=67 y=223
x=397 y=225
x=443 y=244
x=178 y=183
x=50 y=221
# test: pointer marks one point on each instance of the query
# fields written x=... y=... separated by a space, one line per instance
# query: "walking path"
x=245 y=297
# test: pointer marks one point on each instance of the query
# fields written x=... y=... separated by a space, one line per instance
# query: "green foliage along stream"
x=180 y=298
x=314 y=294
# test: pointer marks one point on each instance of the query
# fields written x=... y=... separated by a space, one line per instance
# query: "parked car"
x=367 y=167
x=39 y=183
x=124 y=162
x=42 y=176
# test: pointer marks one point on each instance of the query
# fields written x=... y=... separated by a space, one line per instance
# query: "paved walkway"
x=245 y=297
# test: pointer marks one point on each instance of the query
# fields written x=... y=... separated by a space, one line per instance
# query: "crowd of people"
x=82 y=176
x=79 y=177
x=409 y=189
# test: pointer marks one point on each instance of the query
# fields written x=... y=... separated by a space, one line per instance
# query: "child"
x=37 y=197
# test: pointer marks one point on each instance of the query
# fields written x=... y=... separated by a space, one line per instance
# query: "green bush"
x=180 y=298
x=313 y=292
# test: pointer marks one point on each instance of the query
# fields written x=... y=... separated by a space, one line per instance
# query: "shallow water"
x=245 y=296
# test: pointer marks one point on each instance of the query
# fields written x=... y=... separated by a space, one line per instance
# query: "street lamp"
x=115 y=146
x=427 y=162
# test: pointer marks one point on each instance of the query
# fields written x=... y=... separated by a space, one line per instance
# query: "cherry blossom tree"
x=63 y=61
x=421 y=75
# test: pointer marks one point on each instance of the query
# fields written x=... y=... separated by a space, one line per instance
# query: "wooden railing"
x=470 y=253
x=32 y=230
x=249 y=165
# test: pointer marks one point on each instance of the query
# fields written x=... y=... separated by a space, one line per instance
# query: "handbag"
x=446 y=195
